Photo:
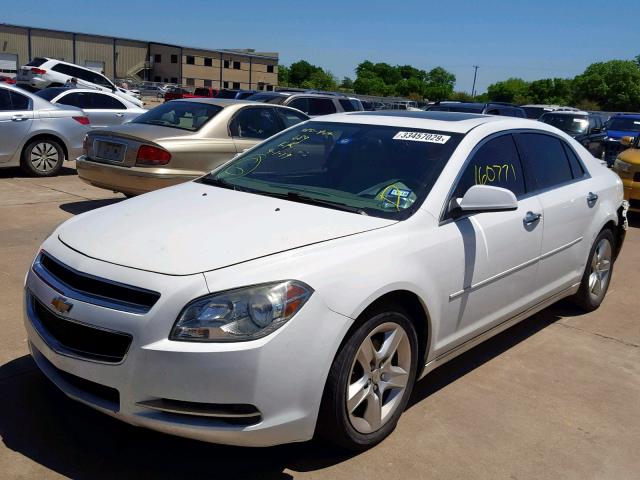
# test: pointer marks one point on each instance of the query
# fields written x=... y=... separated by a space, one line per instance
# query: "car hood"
x=151 y=133
x=618 y=134
x=193 y=227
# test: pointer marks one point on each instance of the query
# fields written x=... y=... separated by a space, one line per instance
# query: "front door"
x=495 y=276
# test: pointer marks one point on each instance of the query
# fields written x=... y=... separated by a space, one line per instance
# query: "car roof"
x=628 y=115
x=230 y=102
x=567 y=112
x=456 y=122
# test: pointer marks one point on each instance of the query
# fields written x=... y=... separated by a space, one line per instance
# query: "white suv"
x=44 y=72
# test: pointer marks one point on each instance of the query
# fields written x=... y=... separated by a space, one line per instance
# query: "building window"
x=236 y=65
x=226 y=64
x=174 y=79
x=236 y=85
x=208 y=62
x=166 y=80
x=225 y=84
x=191 y=81
x=269 y=88
x=157 y=78
x=191 y=60
x=157 y=58
x=207 y=83
x=174 y=58
x=269 y=68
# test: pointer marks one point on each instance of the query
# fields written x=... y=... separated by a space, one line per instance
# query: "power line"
x=475 y=74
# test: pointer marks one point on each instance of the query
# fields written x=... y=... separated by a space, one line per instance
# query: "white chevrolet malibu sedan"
x=305 y=285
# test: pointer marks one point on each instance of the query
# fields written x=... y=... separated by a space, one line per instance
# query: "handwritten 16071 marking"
x=494 y=173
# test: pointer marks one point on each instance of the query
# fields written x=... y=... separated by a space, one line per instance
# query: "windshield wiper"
x=297 y=197
x=218 y=182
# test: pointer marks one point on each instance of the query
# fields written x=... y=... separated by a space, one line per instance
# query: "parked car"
x=586 y=128
x=368 y=106
x=201 y=92
x=134 y=93
x=305 y=285
x=618 y=126
x=494 y=108
x=7 y=79
x=37 y=135
x=44 y=72
x=103 y=108
x=627 y=166
x=534 y=112
x=178 y=141
x=178 y=93
x=312 y=104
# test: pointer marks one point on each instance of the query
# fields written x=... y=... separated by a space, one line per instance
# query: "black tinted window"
x=301 y=104
x=495 y=163
x=19 y=102
x=5 y=100
x=576 y=167
x=36 y=62
x=101 y=101
x=321 y=106
x=545 y=158
x=347 y=105
x=290 y=117
x=255 y=123
x=75 y=99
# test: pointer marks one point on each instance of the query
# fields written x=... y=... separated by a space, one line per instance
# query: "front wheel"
x=597 y=274
x=370 y=381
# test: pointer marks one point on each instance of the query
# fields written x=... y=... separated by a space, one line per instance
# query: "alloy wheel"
x=379 y=377
x=44 y=157
x=600 y=269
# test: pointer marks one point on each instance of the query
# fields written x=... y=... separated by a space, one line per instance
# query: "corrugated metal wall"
x=130 y=58
x=95 y=49
x=45 y=43
x=15 y=40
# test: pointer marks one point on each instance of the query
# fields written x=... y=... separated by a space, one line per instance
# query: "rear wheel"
x=370 y=381
x=42 y=158
x=597 y=274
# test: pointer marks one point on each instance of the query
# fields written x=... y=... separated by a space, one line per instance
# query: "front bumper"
x=281 y=375
x=129 y=180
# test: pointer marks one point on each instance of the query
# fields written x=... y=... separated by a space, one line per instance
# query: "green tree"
x=321 y=80
x=438 y=84
x=283 y=75
x=556 y=91
x=347 y=83
x=614 y=85
x=301 y=71
x=461 y=97
x=513 y=90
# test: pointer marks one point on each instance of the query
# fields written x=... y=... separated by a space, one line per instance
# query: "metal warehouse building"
x=122 y=58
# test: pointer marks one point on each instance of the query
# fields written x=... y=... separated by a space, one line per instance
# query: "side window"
x=495 y=163
x=321 y=106
x=19 y=102
x=254 y=122
x=493 y=111
x=101 y=101
x=301 y=104
x=347 y=106
x=75 y=100
x=289 y=117
x=545 y=159
x=5 y=100
x=576 y=167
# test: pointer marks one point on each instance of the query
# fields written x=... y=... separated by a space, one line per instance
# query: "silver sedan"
x=37 y=135
x=103 y=108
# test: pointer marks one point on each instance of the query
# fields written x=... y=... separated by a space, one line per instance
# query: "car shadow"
x=76 y=208
x=38 y=421
x=15 y=172
x=634 y=219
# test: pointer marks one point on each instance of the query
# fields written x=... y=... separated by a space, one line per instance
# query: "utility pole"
x=475 y=74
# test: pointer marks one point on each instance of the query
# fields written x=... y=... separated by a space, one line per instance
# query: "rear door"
x=560 y=182
x=494 y=276
x=106 y=110
x=16 y=120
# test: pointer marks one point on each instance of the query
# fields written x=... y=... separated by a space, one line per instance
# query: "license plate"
x=112 y=152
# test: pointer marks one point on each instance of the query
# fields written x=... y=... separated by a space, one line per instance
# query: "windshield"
x=624 y=123
x=36 y=62
x=567 y=123
x=267 y=98
x=535 y=112
x=183 y=115
x=375 y=170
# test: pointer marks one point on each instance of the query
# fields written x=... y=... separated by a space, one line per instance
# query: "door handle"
x=592 y=198
x=119 y=114
x=18 y=118
x=531 y=217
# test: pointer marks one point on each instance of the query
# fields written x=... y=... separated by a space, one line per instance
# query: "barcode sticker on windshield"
x=422 y=137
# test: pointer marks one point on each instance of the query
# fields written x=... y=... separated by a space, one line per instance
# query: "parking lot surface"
x=556 y=396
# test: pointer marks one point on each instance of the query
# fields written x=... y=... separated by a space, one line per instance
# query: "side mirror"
x=596 y=130
x=626 y=140
x=485 y=198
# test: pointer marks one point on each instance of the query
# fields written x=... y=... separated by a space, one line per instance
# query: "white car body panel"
x=474 y=277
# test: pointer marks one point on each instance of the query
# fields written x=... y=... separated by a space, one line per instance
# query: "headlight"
x=241 y=314
x=621 y=165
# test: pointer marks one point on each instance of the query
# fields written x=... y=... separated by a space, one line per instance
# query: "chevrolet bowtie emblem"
x=61 y=305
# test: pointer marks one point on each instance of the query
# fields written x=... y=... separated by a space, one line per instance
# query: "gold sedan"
x=627 y=166
x=178 y=141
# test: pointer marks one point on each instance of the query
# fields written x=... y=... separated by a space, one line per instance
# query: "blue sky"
x=528 y=39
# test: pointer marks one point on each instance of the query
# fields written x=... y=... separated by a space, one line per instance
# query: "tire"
x=597 y=273
x=363 y=424
x=42 y=158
